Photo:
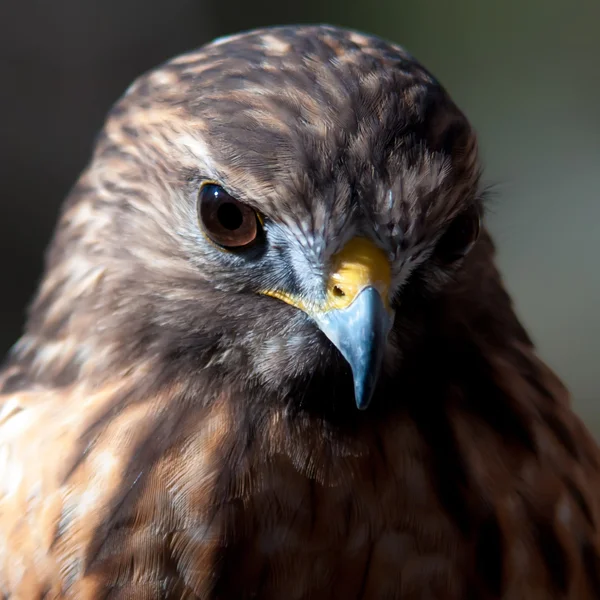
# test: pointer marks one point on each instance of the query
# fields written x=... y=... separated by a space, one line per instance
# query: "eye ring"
x=226 y=221
x=460 y=236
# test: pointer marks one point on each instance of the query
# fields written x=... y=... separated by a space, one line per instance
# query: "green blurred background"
x=526 y=73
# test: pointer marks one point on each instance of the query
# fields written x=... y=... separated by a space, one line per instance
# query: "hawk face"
x=279 y=206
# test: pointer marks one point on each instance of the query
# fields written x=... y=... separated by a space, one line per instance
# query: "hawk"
x=272 y=357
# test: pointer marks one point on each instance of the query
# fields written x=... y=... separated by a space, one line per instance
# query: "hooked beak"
x=356 y=315
x=360 y=332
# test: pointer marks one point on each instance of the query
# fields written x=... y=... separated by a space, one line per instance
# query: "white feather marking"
x=11 y=472
x=106 y=463
x=11 y=407
x=88 y=501
x=199 y=150
x=275 y=44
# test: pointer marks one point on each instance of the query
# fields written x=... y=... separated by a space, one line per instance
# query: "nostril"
x=338 y=291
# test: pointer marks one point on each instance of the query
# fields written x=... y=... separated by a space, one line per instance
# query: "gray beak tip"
x=366 y=374
x=362 y=402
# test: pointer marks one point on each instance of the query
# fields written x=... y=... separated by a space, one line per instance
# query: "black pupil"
x=230 y=216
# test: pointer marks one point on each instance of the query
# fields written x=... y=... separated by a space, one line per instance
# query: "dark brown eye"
x=459 y=238
x=227 y=221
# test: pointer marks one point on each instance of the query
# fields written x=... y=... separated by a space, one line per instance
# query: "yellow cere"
x=358 y=265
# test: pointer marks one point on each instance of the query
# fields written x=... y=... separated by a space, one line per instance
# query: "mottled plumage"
x=170 y=430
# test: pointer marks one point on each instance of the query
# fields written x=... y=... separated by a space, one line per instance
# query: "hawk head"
x=286 y=210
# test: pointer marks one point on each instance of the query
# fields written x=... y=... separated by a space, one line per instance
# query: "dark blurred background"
x=527 y=73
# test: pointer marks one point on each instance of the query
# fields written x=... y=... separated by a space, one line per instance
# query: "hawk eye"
x=460 y=237
x=227 y=221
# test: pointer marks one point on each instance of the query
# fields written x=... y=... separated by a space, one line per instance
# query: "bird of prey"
x=271 y=356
